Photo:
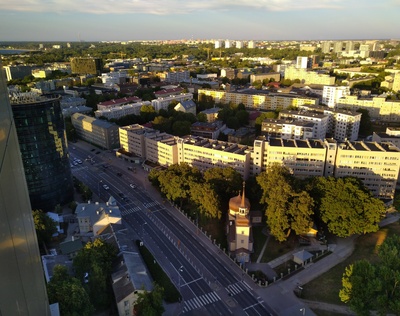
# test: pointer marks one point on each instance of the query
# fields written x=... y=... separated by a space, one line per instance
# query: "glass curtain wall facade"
x=22 y=282
x=42 y=139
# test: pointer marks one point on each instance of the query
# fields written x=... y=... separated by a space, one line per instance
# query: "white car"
x=132 y=186
x=106 y=187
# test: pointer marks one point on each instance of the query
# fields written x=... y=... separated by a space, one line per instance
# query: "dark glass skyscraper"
x=22 y=282
x=42 y=140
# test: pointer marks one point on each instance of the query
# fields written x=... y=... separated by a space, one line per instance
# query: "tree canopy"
x=286 y=209
x=347 y=207
x=45 y=227
x=367 y=286
x=150 y=303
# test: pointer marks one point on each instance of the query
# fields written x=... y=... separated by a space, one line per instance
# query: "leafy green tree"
x=181 y=128
x=359 y=287
x=176 y=180
x=96 y=260
x=69 y=293
x=206 y=199
x=202 y=117
x=45 y=227
x=150 y=303
x=286 y=208
x=367 y=286
x=243 y=117
x=365 y=123
x=347 y=207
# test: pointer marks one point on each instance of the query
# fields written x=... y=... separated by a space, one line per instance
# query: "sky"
x=124 y=20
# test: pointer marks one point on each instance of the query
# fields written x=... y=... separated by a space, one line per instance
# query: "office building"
x=18 y=72
x=95 y=131
x=42 y=139
x=86 y=66
x=22 y=282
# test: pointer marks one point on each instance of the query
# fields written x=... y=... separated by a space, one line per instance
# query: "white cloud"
x=163 y=7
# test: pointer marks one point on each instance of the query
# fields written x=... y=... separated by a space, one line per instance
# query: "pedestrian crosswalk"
x=130 y=210
x=199 y=301
x=235 y=288
x=150 y=204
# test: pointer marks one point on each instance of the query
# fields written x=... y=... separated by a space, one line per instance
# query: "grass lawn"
x=259 y=240
x=326 y=287
x=276 y=249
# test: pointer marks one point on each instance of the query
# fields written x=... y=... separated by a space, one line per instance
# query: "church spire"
x=243 y=204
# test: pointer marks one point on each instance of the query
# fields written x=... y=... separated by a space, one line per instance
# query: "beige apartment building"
x=376 y=164
x=378 y=107
x=206 y=153
x=308 y=77
x=94 y=131
x=263 y=102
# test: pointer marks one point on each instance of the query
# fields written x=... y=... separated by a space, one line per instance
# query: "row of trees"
x=344 y=205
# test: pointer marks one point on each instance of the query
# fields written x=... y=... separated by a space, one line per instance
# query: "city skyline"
x=102 y=20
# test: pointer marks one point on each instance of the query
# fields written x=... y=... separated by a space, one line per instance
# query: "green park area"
x=326 y=287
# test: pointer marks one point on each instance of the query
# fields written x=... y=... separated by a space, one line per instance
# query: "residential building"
x=319 y=120
x=301 y=62
x=114 y=77
x=239 y=228
x=275 y=76
x=70 y=248
x=118 y=102
x=168 y=92
x=258 y=101
x=187 y=106
x=41 y=73
x=207 y=129
x=239 y=44
x=251 y=44
x=217 y=44
x=349 y=45
x=332 y=94
x=116 y=112
x=376 y=164
x=93 y=218
x=205 y=153
x=95 y=131
x=287 y=129
x=43 y=144
x=228 y=73
x=343 y=124
x=337 y=47
x=132 y=139
x=308 y=77
x=22 y=283
x=392 y=135
x=86 y=65
x=162 y=103
x=175 y=76
x=326 y=47
x=378 y=107
x=212 y=114
x=227 y=44
x=396 y=82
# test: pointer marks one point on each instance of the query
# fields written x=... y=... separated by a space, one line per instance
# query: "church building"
x=240 y=236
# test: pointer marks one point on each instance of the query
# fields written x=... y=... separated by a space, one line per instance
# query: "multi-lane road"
x=209 y=282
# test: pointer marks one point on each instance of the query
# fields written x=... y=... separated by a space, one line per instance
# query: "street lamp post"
x=98 y=187
x=303 y=310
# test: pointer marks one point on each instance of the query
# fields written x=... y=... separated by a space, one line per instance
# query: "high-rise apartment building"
x=301 y=62
x=22 y=282
x=326 y=47
x=332 y=94
x=43 y=143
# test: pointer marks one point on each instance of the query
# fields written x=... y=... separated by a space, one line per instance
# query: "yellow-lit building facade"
x=378 y=107
x=263 y=102
x=308 y=77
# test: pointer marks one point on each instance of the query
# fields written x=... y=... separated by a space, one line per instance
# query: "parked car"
x=106 y=187
x=132 y=186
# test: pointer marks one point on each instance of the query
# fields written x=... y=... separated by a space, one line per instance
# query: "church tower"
x=240 y=237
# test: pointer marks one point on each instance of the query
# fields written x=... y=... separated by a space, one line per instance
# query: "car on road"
x=106 y=187
x=97 y=152
x=132 y=186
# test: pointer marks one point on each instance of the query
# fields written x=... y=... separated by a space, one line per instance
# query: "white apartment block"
x=263 y=102
x=376 y=164
x=378 y=107
x=332 y=94
x=308 y=77
x=251 y=44
x=320 y=121
x=396 y=82
x=301 y=62
x=162 y=103
x=391 y=135
x=287 y=129
x=115 y=77
x=204 y=153
x=175 y=76
x=343 y=124
x=239 y=44
x=120 y=111
x=217 y=44
x=227 y=44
